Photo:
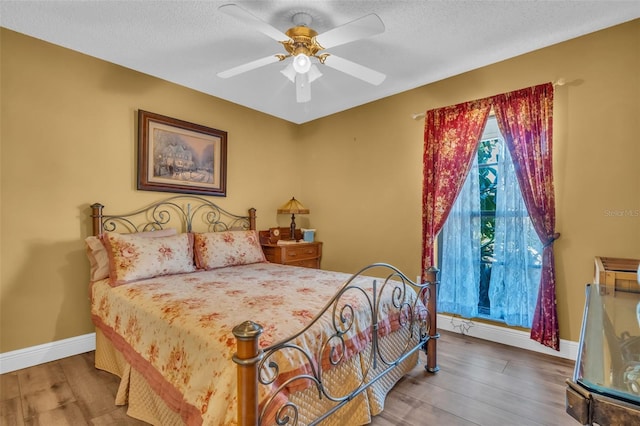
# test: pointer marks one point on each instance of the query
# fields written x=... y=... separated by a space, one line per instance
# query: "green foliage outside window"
x=488 y=180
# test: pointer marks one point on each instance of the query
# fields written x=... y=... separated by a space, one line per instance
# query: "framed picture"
x=178 y=156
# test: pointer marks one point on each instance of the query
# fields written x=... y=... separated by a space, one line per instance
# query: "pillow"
x=97 y=253
x=98 y=259
x=228 y=248
x=133 y=258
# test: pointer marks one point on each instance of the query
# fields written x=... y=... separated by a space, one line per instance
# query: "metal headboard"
x=187 y=212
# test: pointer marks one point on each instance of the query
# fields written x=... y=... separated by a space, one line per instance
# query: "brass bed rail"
x=256 y=367
x=181 y=210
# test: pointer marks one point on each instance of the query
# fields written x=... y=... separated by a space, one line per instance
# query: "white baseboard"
x=34 y=355
x=28 y=357
x=505 y=335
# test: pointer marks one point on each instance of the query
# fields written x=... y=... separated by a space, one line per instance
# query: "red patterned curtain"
x=451 y=135
x=451 y=138
x=525 y=119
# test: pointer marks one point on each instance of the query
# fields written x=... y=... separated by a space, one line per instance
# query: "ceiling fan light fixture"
x=289 y=72
x=314 y=74
x=301 y=63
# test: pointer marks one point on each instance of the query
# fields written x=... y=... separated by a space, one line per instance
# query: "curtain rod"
x=416 y=115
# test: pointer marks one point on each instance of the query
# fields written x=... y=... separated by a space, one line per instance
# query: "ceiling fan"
x=305 y=46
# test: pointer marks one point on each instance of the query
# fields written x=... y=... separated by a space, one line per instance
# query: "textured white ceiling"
x=188 y=42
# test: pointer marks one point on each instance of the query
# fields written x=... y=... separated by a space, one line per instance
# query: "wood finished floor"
x=479 y=383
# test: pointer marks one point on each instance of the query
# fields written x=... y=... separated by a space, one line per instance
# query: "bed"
x=201 y=329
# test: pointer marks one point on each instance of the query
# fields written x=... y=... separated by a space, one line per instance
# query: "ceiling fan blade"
x=248 y=66
x=367 y=26
x=355 y=70
x=253 y=21
x=303 y=88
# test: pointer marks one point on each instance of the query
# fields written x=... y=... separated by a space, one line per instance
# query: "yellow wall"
x=363 y=166
x=69 y=139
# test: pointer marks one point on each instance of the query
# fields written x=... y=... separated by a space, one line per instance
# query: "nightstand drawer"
x=307 y=263
x=293 y=253
x=296 y=254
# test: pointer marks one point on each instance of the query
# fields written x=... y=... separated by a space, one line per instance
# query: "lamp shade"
x=293 y=206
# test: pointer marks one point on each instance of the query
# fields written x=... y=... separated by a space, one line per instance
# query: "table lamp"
x=293 y=207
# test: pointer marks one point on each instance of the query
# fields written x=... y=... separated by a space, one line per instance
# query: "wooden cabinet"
x=306 y=254
x=622 y=274
x=296 y=254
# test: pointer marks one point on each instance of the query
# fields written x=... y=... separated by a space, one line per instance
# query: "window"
x=490 y=256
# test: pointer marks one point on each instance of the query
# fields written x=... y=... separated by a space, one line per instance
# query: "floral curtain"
x=525 y=118
x=451 y=138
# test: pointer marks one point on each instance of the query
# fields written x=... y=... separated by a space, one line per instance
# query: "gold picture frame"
x=178 y=156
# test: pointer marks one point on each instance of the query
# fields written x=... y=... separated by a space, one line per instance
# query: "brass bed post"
x=96 y=215
x=431 y=276
x=247 y=356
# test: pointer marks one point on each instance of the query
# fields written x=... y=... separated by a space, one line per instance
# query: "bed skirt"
x=144 y=404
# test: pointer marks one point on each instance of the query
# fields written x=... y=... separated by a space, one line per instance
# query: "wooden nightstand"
x=303 y=254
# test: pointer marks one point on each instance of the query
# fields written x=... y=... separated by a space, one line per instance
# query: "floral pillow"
x=229 y=248
x=97 y=252
x=133 y=258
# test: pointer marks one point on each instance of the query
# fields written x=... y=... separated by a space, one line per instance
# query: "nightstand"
x=301 y=253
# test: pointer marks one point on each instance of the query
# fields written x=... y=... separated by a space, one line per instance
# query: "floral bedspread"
x=176 y=330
